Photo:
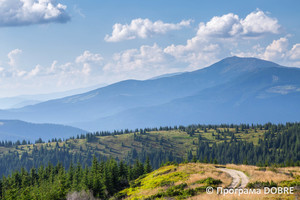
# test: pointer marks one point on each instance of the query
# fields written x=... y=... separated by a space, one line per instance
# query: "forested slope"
x=250 y=144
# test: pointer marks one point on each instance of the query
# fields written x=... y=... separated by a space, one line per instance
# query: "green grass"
x=177 y=141
x=190 y=180
x=170 y=181
x=291 y=183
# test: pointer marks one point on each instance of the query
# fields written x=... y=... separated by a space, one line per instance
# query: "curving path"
x=239 y=179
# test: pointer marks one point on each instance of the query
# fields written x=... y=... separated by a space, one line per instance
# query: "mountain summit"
x=233 y=90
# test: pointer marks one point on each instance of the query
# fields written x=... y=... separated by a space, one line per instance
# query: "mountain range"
x=12 y=130
x=233 y=90
x=26 y=100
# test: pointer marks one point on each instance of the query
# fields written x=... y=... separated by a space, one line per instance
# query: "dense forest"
x=67 y=170
x=280 y=145
x=102 y=180
x=13 y=161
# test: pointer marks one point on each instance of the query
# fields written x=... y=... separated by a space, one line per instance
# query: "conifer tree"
x=148 y=167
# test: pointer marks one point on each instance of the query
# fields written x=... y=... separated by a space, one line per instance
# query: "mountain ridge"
x=226 y=86
x=12 y=130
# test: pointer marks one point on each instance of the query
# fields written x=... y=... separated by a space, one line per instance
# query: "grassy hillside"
x=177 y=141
x=268 y=146
x=261 y=145
x=189 y=181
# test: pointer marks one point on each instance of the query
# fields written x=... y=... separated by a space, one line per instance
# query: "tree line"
x=280 y=145
x=102 y=179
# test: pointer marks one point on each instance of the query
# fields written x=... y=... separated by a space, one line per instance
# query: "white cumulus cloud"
x=220 y=34
x=83 y=65
x=255 y=24
x=135 y=59
x=225 y=26
x=87 y=57
x=144 y=62
x=294 y=53
x=276 y=50
x=12 y=56
x=26 y=12
x=142 y=28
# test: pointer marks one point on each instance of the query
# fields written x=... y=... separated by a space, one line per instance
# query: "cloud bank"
x=82 y=66
x=277 y=51
x=221 y=33
x=215 y=39
x=142 y=28
x=146 y=58
x=255 y=24
x=27 y=12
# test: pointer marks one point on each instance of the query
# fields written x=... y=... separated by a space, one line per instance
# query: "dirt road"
x=239 y=179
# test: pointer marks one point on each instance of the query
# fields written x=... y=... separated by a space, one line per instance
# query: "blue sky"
x=49 y=46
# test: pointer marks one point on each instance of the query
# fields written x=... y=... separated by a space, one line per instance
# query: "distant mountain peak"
x=235 y=89
x=250 y=60
x=241 y=64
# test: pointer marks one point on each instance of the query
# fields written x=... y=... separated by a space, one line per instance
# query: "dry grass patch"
x=209 y=171
x=294 y=171
x=258 y=174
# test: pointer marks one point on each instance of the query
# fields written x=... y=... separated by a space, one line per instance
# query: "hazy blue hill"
x=18 y=130
x=232 y=90
x=129 y=94
x=267 y=94
x=165 y=75
x=26 y=100
x=16 y=102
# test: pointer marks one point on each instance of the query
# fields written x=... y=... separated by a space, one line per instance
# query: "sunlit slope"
x=189 y=181
x=178 y=142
